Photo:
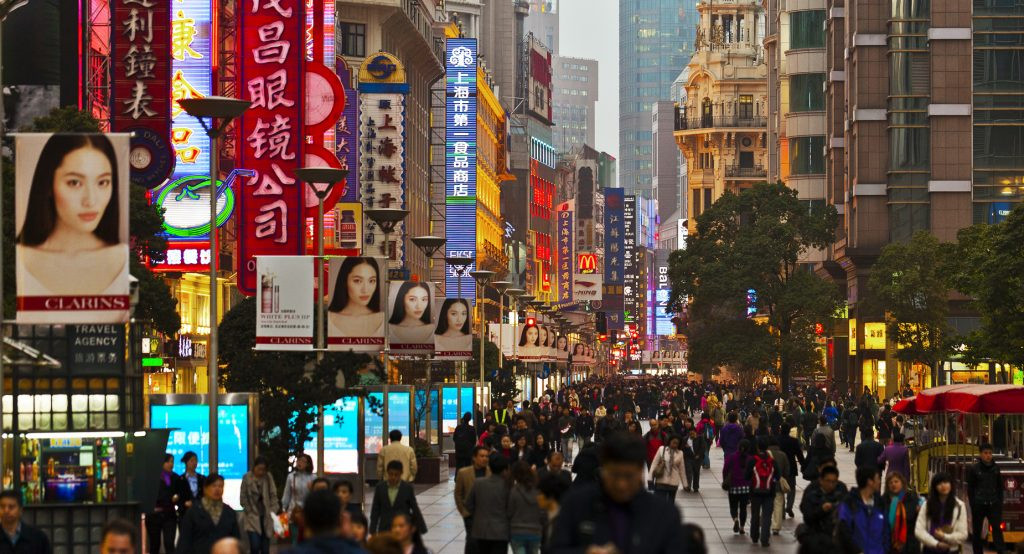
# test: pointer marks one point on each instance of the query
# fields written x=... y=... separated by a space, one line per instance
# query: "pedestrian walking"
x=118 y=537
x=396 y=451
x=464 y=438
x=258 y=498
x=394 y=496
x=784 y=484
x=895 y=457
x=942 y=522
x=763 y=475
x=464 y=480
x=668 y=469
x=189 y=483
x=323 y=515
x=162 y=522
x=734 y=480
x=210 y=519
x=861 y=526
x=526 y=519
x=790 y=445
x=695 y=452
x=985 y=494
x=731 y=434
x=900 y=504
x=868 y=451
x=296 y=488
x=818 y=506
x=488 y=506
x=403 y=528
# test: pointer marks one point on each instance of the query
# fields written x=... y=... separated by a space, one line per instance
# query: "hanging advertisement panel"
x=270 y=133
x=566 y=261
x=562 y=349
x=411 y=318
x=503 y=335
x=453 y=335
x=71 y=228
x=355 y=309
x=528 y=345
x=284 y=303
x=629 y=265
x=615 y=250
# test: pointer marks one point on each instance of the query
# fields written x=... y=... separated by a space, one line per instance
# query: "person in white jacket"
x=942 y=520
x=667 y=470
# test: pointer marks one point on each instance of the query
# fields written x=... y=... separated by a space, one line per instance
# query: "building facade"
x=795 y=56
x=667 y=181
x=655 y=43
x=574 y=98
x=721 y=127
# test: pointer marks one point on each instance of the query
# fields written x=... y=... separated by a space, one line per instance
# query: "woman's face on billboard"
x=82 y=188
x=456 y=316
x=416 y=302
x=362 y=283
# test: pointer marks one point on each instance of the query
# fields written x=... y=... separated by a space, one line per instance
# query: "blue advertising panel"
x=435 y=411
x=399 y=406
x=191 y=432
x=346 y=144
x=373 y=423
x=341 y=436
x=460 y=158
x=450 y=414
x=663 y=325
x=615 y=253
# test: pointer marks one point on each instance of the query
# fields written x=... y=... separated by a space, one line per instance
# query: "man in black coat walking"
x=29 y=539
x=868 y=450
x=464 y=438
x=985 y=494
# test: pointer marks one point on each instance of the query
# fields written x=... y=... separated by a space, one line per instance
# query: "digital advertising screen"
x=191 y=432
x=450 y=412
x=373 y=423
x=341 y=436
x=399 y=411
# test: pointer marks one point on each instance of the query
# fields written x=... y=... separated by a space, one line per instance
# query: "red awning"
x=971 y=399
x=933 y=400
x=907 y=406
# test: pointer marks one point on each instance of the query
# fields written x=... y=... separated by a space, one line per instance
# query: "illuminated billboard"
x=191 y=74
x=460 y=159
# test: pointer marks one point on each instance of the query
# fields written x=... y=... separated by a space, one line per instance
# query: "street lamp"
x=501 y=287
x=482 y=277
x=460 y=264
x=224 y=109
x=321 y=181
x=429 y=245
x=387 y=219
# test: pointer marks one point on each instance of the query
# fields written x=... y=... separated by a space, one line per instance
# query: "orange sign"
x=586 y=262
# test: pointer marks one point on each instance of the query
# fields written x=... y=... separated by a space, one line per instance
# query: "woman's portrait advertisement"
x=562 y=348
x=410 y=317
x=453 y=336
x=355 y=308
x=71 y=228
x=528 y=348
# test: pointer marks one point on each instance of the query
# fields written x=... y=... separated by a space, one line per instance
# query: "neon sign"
x=460 y=158
x=186 y=202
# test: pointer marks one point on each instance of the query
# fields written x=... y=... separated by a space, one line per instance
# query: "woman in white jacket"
x=667 y=470
x=942 y=520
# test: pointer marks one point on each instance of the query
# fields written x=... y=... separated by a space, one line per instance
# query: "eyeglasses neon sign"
x=186 y=203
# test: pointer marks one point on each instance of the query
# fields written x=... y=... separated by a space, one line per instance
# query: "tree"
x=753 y=241
x=910 y=283
x=145 y=224
x=990 y=268
x=290 y=385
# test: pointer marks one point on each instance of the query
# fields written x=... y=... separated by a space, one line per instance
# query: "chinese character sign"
x=629 y=269
x=460 y=158
x=564 y=257
x=615 y=252
x=191 y=74
x=284 y=303
x=346 y=146
x=270 y=134
x=140 y=68
x=75 y=187
x=381 y=162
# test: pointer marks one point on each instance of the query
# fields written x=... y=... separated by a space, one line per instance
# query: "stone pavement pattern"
x=709 y=509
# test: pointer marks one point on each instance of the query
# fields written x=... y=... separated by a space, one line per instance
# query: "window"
x=353 y=39
x=907 y=219
x=806 y=155
x=746 y=106
x=696 y=202
x=806 y=29
x=805 y=92
x=707 y=198
x=909 y=148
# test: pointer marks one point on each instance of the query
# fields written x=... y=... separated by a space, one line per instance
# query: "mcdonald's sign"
x=586 y=263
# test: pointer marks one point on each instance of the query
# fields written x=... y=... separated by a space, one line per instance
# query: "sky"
x=590 y=29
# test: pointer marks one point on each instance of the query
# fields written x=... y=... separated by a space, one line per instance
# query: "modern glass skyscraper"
x=655 y=44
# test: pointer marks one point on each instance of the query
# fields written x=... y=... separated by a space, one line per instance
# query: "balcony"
x=723 y=121
x=740 y=172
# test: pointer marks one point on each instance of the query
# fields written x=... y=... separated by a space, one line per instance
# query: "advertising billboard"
x=565 y=260
x=629 y=268
x=191 y=75
x=341 y=436
x=663 y=325
x=190 y=424
x=355 y=308
x=411 y=318
x=450 y=406
x=615 y=253
x=71 y=227
x=538 y=97
x=284 y=303
x=453 y=336
x=460 y=159
x=271 y=205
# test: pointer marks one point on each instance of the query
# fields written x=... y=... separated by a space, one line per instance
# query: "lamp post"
x=460 y=265
x=387 y=219
x=321 y=181
x=501 y=287
x=514 y=294
x=224 y=109
x=429 y=245
x=482 y=277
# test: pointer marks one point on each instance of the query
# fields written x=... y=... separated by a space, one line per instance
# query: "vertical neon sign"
x=460 y=158
x=191 y=76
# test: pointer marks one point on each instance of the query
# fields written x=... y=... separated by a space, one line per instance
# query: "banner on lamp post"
x=355 y=309
x=453 y=336
x=284 y=303
x=411 y=318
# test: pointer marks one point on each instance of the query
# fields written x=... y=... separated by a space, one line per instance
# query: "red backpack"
x=764 y=473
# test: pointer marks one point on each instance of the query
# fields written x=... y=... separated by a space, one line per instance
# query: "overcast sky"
x=590 y=29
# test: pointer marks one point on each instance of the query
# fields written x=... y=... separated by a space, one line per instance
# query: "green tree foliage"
x=145 y=224
x=753 y=240
x=910 y=284
x=290 y=385
x=989 y=267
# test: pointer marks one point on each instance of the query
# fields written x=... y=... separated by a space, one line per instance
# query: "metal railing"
x=684 y=123
x=751 y=172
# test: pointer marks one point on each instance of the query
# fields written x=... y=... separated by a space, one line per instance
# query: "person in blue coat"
x=861 y=525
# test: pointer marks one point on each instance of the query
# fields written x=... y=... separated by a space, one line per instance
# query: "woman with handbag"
x=296 y=487
x=735 y=481
x=668 y=469
x=942 y=521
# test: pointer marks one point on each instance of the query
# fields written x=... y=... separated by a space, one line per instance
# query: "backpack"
x=764 y=474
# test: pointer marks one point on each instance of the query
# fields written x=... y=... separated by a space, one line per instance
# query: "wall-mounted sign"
x=629 y=266
x=662 y=288
x=565 y=261
x=271 y=208
x=853 y=336
x=874 y=335
x=345 y=140
x=284 y=303
x=586 y=263
x=190 y=348
x=191 y=75
x=460 y=159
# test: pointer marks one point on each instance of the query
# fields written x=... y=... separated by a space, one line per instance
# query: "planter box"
x=432 y=471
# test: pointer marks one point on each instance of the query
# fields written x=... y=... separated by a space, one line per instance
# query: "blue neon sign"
x=460 y=158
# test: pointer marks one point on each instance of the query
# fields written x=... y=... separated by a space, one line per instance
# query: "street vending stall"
x=952 y=421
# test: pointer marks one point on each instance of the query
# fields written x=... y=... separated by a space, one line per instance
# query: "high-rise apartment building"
x=574 y=99
x=925 y=132
x=655 y=43
x=796 y=61
x=721 y=126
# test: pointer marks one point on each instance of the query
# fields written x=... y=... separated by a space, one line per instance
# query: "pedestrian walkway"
x=709 y=509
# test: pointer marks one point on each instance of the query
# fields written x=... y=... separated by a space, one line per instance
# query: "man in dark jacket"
x=790 y=446
x=322 y=516
x=391 y=497
x=860 y=524
x=763 y=474
x=818 y=505
x=868 y=451
x=985 y=493
x=617 y=513
x=464 y=438
x=27 y=539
